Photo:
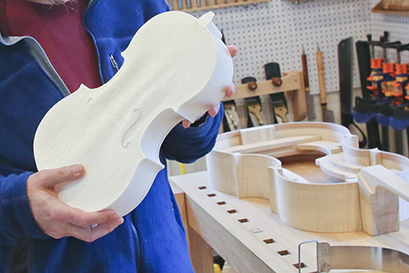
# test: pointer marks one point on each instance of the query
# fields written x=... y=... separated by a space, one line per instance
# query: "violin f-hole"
x=130 y=128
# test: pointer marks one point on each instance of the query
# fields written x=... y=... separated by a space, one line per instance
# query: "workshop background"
x=276 y=31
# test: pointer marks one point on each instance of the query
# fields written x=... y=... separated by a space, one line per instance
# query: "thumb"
x=53 y=177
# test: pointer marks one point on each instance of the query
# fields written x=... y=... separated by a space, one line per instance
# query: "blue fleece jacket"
x=152 y=238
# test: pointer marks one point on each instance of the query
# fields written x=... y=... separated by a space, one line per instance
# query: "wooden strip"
x=271 y=144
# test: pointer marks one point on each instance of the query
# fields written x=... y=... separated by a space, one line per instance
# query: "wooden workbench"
x=253 y=239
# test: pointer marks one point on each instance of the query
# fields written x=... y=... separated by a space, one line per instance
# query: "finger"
x=214 y=110
x=232 y=50
x=90 y=234
x=50 y=178
x=186 y=123
x=81 y=218
x=229 y=91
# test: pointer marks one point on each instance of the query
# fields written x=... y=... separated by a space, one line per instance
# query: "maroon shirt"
x=59 y=30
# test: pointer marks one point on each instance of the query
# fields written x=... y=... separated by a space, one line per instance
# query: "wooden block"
x=379 y=191
x=175 y=68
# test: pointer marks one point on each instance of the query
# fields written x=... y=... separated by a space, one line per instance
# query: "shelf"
x=195 y=5
x=379 y=9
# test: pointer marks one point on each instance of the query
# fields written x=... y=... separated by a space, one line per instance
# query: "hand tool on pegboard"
x=327 y=115
x=345 y=58
x=364 y=54
x=231 y=121
x=279 y=103
x=310 y=99
x=253 y=104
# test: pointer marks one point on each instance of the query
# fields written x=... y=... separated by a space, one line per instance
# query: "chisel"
x=310 y=99
x=327 y=115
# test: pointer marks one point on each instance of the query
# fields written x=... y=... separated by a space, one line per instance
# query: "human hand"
x=58 y=219
x=229 y=91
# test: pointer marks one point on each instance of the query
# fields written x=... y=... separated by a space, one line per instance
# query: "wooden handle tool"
x=327 y=115
x=305 y=70
x=310 y=99
x=321 y=77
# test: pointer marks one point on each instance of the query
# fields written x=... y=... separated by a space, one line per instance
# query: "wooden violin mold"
x=244 y=164
x=176 y=67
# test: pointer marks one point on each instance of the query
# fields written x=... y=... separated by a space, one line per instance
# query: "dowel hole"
x=269 y=241
x=231 y=211
x=220 y=203
x=211 y=195
x=283 y=252
x=202 y=187
x=244 y=220
x=302 y=265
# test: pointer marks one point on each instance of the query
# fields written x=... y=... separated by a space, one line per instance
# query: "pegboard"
x=276 y=30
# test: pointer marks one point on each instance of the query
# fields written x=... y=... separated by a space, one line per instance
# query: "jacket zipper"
x=138 y=249
x=41 y=58
x=92 y=2
x=114 y=63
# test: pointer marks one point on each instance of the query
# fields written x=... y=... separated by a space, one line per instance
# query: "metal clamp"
x=357 y=257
